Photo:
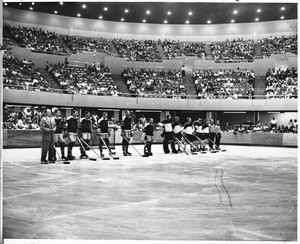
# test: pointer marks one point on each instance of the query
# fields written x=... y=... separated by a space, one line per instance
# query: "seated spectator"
x=224 y=84
x=21 y=74
x=156 y=83
x=281 y=84
x=90 y=79
x=84 y=44
x=233 y=51
x=279 y=45
x=34 y=39
x=133 y=50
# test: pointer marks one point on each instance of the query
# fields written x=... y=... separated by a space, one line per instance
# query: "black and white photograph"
x=148 y=121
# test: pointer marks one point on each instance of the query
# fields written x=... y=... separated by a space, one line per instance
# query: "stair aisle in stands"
x=122 y=87
x=260 y=87
x=189 y=85
x=48 y=77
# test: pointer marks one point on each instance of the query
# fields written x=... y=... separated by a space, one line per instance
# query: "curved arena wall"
x=111 y=29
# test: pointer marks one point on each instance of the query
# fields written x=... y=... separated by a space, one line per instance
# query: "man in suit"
x=48 y=126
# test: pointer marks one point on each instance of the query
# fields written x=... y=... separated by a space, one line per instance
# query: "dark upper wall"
x=110 y=29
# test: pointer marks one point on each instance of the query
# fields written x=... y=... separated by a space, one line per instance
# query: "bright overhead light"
x=257 y=19
x=144 y=20
x=105 y=8
x=258 y=10
x=148 y=12
x=83 y=6
x=31 y=8
x=126 y=10
x=232 y=21
x=282 y=8
x=208 y=22
x=187 y=22
x=55 y=12
x=122 y=19
x=100 y=17
x=235 y=12
x=61 y=3
x=20 y=3
x=5 y=4
x=282 y=17
x=169 y=13
x=32 y=3
x=190 y=13
x=78 y=15
x=165 y=21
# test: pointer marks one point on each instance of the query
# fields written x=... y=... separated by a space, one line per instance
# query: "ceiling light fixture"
x=32 y=3
x=31 y=8
x=208 y=22
x=144 y=20
x=282 y=8
x=20 y=4
x=61 y=3
x=235 y=12
x=148 y=12
x=282 y=17
x=55 y=12
x=187 y=22
x=122 y=19
x=169 y=13
x=100 y=17
x=232 y=21
x=257 y=19
x=78 y=15
x=5 y=4
x=83 y=6
x=126 y=10
x=190 y=13
x=105 y=8
x=165 y=21
x=258 y=10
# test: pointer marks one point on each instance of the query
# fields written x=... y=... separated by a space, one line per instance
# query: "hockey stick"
x=144 y=156
x=218 y=148
x=180 y=144
x=212 y=151
x=93 y=159
x=193 y=153
x=113 y=157
x=64 y=162
x=194 y=146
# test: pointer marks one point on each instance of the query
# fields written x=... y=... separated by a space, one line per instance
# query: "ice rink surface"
x=243 y=194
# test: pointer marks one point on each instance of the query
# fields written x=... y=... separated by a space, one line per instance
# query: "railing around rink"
x=145 y=95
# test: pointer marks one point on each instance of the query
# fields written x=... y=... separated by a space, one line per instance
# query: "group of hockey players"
x=64 y=132
x=197 y=134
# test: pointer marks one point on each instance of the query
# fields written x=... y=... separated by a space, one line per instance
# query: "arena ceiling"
x=166 y=12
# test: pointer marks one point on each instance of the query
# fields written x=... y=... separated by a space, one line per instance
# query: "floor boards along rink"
x=246 y=193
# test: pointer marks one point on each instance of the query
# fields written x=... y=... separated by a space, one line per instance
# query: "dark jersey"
x=149 y=129
x=126 y=123
x=60 y=124
x=103 y=125
x=72 y=124
x=85 y=125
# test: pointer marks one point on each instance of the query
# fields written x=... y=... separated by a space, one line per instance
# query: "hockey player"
x=72 y=126
x=60 y=133
x=148 y=130
x=177 y=131
x=188 y=132
x=212 y=134
x=84 y=133
x=167 y=134
x=205 y=132
x=198 y=133
x=126 y=132
x=218 y=134
x=104 y=132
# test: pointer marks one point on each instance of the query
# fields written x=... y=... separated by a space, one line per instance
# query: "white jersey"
x=177 y=129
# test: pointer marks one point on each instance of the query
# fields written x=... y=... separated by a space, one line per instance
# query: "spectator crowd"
x=154 y=83
x=224 y=84
x=282 y=83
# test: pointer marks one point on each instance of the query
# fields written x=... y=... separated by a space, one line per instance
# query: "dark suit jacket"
x=48 y=126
